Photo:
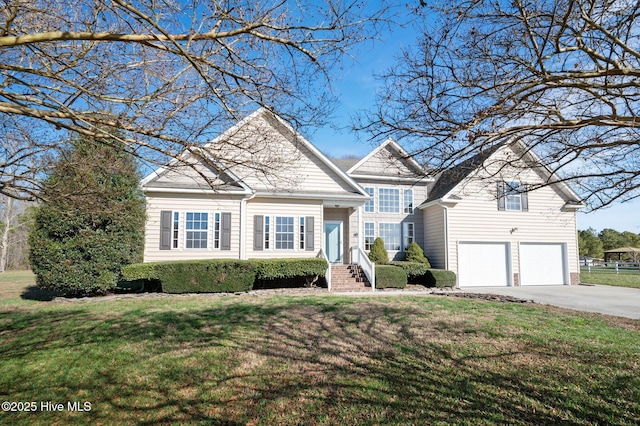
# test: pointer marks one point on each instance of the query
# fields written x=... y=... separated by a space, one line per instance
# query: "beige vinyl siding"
x=477 y=218
x=188 y=176
x=435 y=235
x=287 y=164
x=385 y=162
x=284 y=208
x=419 y=195
x=183 y=204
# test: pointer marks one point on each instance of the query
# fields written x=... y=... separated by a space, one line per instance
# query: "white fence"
x=610 y=267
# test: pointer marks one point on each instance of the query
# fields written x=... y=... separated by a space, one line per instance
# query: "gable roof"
x=397 y=163
x=449 y=179
x=236 y=175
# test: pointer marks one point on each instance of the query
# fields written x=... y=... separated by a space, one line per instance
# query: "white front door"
x=333 y=241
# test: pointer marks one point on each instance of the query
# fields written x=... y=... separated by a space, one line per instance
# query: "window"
x=176 y=229
x=408 y=201
x=408 y=233
x=388 y=200
x=369 y=234
x=267 y=230
x=284 y=233
x=216 y=230
x=390 y=234
x=197 y=226
x=301 y=231
x=512 y=195
x=369 y=206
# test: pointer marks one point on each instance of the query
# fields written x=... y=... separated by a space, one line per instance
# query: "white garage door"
x=542 y=264
x=483 y=264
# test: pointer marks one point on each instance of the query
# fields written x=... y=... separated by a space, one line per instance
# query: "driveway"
x=619 y=301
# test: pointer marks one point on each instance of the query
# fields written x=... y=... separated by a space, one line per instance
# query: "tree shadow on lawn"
x=306 y=362
x=36 y=293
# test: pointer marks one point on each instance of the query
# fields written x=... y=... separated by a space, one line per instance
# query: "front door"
x=333 y=241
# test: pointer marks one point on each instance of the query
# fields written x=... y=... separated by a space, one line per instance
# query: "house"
x=261 y=190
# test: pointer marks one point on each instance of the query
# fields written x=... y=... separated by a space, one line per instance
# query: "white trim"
x=393 y=178
x=194 y=191
x=209 y=234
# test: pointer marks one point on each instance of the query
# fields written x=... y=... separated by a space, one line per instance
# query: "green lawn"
x=625 y=278
x=314 y=360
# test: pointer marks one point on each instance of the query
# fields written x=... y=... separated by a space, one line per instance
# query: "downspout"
x=446 y=235
x=243 y=225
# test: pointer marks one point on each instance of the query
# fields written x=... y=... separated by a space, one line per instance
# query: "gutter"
x=243 y=225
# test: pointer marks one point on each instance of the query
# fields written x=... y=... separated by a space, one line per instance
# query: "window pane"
x=369 y=234
x=389 y=200
x=512 y=195
x=369 y=207
x=197 y=225
x=284 y=233
x=390 y=234
x=408 y=200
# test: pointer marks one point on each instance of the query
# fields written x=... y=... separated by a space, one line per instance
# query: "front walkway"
x=610 y=300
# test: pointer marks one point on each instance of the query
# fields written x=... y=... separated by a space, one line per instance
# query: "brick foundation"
x=575 y=278
x=516 y=280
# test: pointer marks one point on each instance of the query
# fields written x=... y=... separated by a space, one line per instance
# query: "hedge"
x=388 y=276
x=222 y=275
x=268 y=269
x=414 y=270
x=440 y=278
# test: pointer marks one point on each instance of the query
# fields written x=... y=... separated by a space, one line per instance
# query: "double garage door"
x=489 y=264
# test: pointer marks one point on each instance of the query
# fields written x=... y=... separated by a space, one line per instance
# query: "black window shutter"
x=225 y=242
x=524 y=197
x=308 y=221
x=165 y=230
x=258 y=232
x=501 y=196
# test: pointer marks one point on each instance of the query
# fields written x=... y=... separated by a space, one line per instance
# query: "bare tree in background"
x=168 y=74
x=561 y=75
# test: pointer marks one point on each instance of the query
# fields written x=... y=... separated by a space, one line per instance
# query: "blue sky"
x=356 y=91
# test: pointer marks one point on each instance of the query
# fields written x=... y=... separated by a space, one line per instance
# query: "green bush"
x=206 y=276
x=388 y=276
x=378 y=254
x=267 y=269
x=141 y=271
x=414 y=253
x=415 y=271
x=91 y=222
x=440 y=278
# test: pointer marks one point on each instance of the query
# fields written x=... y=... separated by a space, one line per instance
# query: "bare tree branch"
x=560 y=75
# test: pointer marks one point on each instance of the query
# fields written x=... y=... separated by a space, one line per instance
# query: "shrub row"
x=420 y=273
x=388 y=276
x=221 y=275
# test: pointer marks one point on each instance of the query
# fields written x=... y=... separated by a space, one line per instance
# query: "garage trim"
x=508 y=261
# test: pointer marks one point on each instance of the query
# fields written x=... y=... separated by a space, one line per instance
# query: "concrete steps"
x=348 y=278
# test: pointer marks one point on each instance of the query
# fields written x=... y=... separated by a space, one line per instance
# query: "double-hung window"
x=408 y=201
x=369 y=234
x=513 y=197
x=216 y=230
x=301 y=232
x=408 y=233
x=390 y=234
x=267 y=232
x=370 y=206
x=284 y=233
x=197 y=230
x=388 y=200
x=176 y=230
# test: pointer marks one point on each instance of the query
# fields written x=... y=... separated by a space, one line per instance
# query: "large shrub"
x=414 y=253
x=415 y=271
x=378 y=254
x=389 y=276
x=439 y=278
x=91 y=220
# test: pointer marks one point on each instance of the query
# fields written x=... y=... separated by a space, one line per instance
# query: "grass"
x=625 y=278
x=314 y=360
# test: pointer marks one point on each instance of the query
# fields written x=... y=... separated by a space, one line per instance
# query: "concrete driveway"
x=619 y=301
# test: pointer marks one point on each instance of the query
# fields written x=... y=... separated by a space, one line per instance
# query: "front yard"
x=313 y=359
x=625 y=278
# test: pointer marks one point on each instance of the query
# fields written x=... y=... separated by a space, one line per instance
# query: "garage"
x=482 y=264
x=542 y=264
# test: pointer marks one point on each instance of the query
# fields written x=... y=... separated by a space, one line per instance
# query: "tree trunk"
x=4 y=244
